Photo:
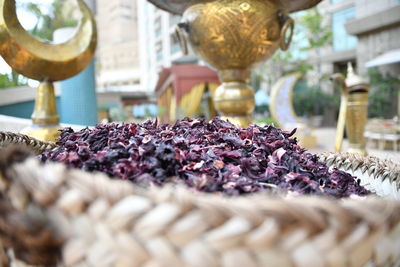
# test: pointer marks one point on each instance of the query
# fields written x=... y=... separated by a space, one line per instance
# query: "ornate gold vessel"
x=233 y=36
x=353 y=111
x=45 y=62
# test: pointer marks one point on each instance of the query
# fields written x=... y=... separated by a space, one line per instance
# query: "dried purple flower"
x=210 y=156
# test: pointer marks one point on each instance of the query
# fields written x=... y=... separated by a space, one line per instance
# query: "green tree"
x=312 y=32
x=383 y=95
x=12 y=80
x=60 y=16
x=317 y=33
x=309 y=100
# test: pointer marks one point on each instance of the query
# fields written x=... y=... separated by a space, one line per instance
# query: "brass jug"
x=353 y=111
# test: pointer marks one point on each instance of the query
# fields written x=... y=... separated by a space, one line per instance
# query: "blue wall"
x=22 y=110
x=78 y=99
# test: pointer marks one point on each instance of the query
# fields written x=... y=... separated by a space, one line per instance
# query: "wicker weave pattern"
x=371 y=165
x=103 y=222
x=7 y=138
x=370 y=170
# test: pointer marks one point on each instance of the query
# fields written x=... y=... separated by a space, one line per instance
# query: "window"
x=174 y=19
x=158 y=32
x=159 y=52
x=159 y=56
x=175 y=47
x=157 y=25
x=341 y=39
x=157 y=22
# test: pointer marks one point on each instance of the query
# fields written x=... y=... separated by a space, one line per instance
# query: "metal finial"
x=350 y=70
x=354 y=80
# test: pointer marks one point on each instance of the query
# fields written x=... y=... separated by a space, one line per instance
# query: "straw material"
x=52 y=214
x=7 y=138
x=379 y=176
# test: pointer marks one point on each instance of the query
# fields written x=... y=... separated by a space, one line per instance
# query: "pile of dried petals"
x=213 y=156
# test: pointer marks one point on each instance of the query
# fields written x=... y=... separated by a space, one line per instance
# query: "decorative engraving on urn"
x=234 y=36
x=353 y=111
x=45 y=62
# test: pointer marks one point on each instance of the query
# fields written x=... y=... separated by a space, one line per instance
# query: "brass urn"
x=234 y=36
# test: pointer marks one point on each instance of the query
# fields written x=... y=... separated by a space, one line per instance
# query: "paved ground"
x=15 y=125
x=326 y=142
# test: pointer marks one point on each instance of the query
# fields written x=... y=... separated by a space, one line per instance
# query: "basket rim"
x=51 y=186
x=373 y=166
x=378 y=169
x=38 y=146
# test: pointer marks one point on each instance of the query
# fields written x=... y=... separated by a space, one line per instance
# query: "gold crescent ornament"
x=45 y=62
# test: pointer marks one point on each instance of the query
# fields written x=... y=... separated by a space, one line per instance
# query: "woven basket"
x=51 y=215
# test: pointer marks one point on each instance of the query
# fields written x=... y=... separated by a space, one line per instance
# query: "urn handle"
x=181 y=30
x=285 y=38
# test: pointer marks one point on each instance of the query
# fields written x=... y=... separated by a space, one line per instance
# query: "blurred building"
x=118 y=65
x=363 y=31
x=377 y=27
x=158 y=46
x=121 y=93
